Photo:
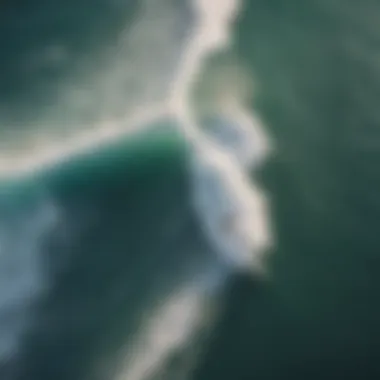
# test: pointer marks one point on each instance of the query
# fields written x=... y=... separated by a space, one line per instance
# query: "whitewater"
x=231 y=209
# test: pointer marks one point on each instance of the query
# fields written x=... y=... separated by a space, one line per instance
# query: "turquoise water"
x=122 y=236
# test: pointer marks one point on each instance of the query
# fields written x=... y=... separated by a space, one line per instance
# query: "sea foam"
x=231 y=209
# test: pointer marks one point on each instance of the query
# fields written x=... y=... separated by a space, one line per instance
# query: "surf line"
x=231 y=209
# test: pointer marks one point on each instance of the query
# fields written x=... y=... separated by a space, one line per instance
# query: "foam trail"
x=231 y=209
x=171 y=328
x=211 y=34
x=174 y=327
x=21 y=277
x=54 y=152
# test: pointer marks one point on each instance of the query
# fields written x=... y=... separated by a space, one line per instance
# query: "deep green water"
x=126 y=233
x=317 y=76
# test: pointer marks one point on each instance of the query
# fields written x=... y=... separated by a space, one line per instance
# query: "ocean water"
x=106 y=268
